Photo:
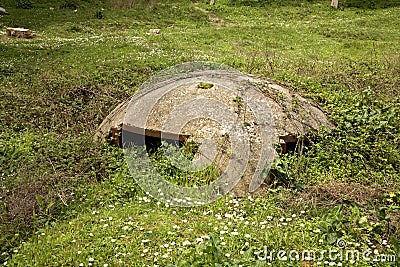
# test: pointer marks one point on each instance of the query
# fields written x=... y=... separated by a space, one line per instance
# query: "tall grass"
x=121 y=4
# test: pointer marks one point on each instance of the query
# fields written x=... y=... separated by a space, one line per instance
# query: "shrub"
x=24 y=4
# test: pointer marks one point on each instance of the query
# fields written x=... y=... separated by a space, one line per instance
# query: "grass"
x=59 y=190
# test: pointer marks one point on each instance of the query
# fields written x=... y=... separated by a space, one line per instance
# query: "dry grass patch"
x=335 y=193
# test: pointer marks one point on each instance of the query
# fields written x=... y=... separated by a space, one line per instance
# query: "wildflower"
x=91 y=259
x=247 y=235
x=227 y=255
x=186 y=243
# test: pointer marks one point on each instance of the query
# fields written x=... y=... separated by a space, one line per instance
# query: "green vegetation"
x=205 y=85
x=65 y=200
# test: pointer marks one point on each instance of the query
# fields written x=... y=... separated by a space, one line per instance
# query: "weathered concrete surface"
x=293 y=114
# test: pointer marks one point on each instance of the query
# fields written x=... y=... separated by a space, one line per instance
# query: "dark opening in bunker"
x=151 y=139
x=290 y=143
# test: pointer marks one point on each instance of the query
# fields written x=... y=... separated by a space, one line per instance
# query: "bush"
x=71 y=4
x=24 y=4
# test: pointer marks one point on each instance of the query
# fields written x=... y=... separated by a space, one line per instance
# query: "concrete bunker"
x=183 y=87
